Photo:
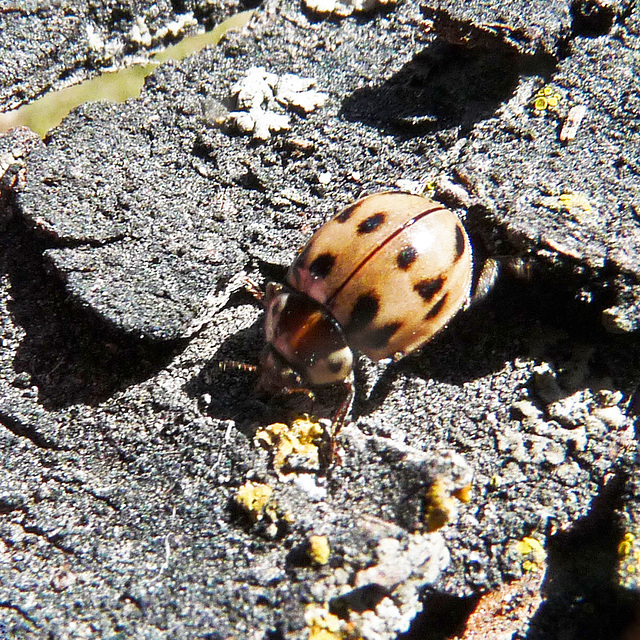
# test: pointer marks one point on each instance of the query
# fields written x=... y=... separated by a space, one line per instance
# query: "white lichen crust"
x=262 y=99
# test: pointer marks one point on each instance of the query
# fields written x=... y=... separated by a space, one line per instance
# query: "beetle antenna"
x=234 y=365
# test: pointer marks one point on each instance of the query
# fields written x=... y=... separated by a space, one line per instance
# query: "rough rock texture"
x=527 y=29
x=60 y=43
x=579 y=198
x=124 y=239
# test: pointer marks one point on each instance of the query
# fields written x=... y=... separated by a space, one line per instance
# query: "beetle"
x=382 y=276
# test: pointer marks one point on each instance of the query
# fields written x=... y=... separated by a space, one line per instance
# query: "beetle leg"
x=485 y=281
x=254 y=289
x=347 y=403
x=517 y=267
x=337 y=422
x=340 y=416
x=289 y=391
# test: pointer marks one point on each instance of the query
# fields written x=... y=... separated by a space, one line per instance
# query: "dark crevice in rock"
x=359 y=599
x=7 y=506
x=580 y=587
x=55 y=540
x=27 y=431
x=5 y=604
x=275 y=634
x=474 y=27
x=52 y=242
x=592 y=18
x=443 y=616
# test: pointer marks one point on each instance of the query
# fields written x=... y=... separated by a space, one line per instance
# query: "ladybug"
x=382 y=276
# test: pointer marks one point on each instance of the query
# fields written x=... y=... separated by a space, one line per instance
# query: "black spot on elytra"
x=407 y=257
x=428 y=288
x=321 y=266
x=335 y=365
x=460 y=242
x=436 y=309
x=346 y=213
x=370 y=224
x=379 y=338
x=364 y=312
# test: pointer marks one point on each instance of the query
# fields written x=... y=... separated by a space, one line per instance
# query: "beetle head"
x=276 y=375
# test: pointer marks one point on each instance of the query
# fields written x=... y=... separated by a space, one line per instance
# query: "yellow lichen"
x=323 y=625
x=429 y=189
x=576 y=204
x=322 y=634
x=253 y=498
x=533 y=550
x=629 y=566
x=301 y=439
x=571 y=201
x=319 y=549
x=441 y=500
x=540 y=103
x=626 y=544
x=463 y=493
x=546 y=98
x=440 y=506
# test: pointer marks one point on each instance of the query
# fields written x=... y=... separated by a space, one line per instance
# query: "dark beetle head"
x=305 y=344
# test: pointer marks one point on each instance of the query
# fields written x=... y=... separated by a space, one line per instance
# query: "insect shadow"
x=475 y=343
x=229 y=390
x=230 y=385
x=444 y=86
x=498 y=329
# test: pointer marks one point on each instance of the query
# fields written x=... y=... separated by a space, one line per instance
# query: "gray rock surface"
x=525 y=28
x=577 y=200
x=56 y=44
x=124 y=240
